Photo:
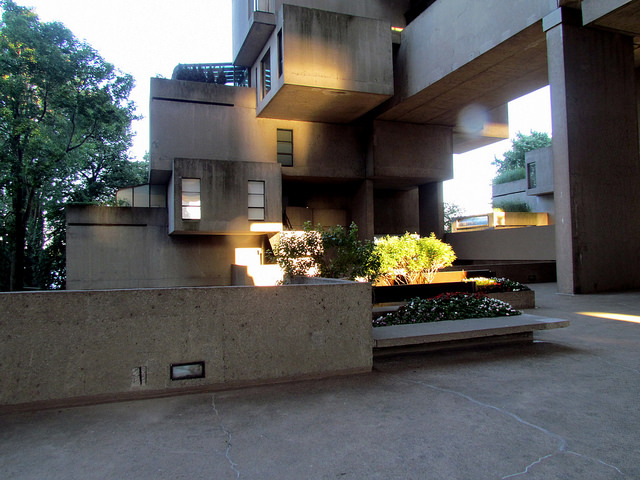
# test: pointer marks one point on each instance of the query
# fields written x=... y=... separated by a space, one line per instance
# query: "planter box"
x=517 y=300
x=460 y=333
x=403 y=293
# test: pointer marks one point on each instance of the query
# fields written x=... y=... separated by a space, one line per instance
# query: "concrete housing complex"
x=351 y=112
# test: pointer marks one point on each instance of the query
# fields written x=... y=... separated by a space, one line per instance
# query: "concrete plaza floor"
x=564 y=407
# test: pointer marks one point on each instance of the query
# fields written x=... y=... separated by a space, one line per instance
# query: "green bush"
x=448 y=306
x=410 y=259
x=346 y=256
x=510 y=176
x=512 y=206
x=336 y=252
x=299 y=253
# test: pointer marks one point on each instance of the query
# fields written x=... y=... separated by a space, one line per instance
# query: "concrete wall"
x=515 y=191
x=422 y=153
x=329 y=50
x=336 y=67
x=390 y=11
x=194 y=120
x=543 y=160
x=510 y=244
x=76 y=347
x=224 y=196
x=109 y=247
x=396 y=212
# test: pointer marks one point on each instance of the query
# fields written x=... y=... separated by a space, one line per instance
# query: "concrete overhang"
x=619 y=15
x=262 y=26
x=513 y=68
x=315 y=104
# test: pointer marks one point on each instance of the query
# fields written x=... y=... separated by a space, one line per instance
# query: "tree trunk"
x=21 y=205
x=16 y=281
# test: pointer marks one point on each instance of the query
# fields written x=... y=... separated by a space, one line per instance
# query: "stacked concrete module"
x=348 y=120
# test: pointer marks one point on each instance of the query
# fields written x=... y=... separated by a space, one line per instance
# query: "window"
x=256 y=200
x=191 y=199
x=285 y=147
x=532 y=181
x=280 y=59
x=261 y=5
x=265 y=73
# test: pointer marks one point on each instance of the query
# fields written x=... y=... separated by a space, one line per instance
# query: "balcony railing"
x=219 y=73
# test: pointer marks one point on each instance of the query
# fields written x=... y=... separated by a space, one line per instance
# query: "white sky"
x=146 y=38
x=473 y=172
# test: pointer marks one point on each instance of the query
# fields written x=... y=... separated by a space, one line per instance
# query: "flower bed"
x=448 y=306
x=514 y=293
x=495 y=285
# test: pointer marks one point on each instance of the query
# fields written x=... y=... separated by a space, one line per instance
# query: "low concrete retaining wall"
x=74 y=347
x=518 y=300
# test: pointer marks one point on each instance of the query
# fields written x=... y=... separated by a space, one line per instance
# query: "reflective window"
x=191 y=199
x=285 y=147
x=256 y=200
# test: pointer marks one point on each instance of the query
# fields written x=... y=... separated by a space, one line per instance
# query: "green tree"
x=451 y=212
x=336 y=252
x=521 y=144
x=412 y=259
x=65 y=119
x=346 y=256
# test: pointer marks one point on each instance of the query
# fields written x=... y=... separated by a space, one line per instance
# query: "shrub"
x=510 y=176
x=448 y=306
x=298 y=253
x=333 y=253
x=411 y=259
x=512 y=206
x=346 y=256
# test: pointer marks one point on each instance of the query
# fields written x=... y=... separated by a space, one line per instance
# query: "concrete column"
x=431 y=207
x=595 y=150
x=362 y=210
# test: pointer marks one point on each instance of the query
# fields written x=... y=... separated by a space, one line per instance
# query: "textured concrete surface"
x=565 y=407
x=67 y=346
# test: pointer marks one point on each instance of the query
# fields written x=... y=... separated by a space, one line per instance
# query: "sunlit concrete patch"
x=613 y=316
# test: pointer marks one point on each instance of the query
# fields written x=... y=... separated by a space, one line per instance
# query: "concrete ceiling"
x=512 y=69
x=508 y=71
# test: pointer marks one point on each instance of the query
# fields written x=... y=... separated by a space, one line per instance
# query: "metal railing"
x=218 y=73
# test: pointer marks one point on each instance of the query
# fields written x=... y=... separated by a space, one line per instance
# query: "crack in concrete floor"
x=562 y=443
x=227 y=452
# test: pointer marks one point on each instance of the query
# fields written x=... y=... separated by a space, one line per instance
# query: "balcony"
x=218 y=73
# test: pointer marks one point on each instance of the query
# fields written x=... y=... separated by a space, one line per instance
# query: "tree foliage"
x=521 y=144
x=412 y=259
x=451 y=212
x=65 y=119
x=336 y=252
